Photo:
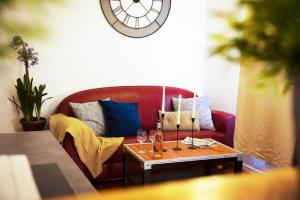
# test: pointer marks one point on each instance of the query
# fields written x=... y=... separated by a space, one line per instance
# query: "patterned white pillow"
x=170 y=120
x=90 y=113
x=203 y=111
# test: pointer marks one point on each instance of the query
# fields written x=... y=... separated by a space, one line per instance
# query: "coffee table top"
x=216 y=151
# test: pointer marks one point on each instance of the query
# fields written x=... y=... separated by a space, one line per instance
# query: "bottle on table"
x=158 y=124
x=158 y=142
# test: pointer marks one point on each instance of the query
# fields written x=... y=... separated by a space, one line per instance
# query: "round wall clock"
x=136 y=18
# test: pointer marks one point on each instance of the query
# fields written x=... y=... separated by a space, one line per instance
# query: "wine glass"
x=141 y=137
x=151 y=138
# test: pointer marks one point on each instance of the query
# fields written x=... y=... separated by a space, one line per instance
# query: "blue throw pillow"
x=121 y=119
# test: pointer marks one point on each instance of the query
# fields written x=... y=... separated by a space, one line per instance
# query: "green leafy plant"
x=39 y=101
x=30 y=97
x=26 y=98
x=24 y=87
x=269 y=34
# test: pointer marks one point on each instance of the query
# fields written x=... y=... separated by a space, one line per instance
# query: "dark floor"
x=118 y=184
x=108 y=185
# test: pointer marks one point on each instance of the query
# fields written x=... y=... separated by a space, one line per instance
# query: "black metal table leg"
x=147 y=176
x=238 y=166
x=125 y=170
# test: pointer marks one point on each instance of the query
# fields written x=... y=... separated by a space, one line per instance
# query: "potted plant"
x=30 y=97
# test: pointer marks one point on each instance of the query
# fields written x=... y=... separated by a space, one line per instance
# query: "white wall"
x=221 y=78
x=84 y=52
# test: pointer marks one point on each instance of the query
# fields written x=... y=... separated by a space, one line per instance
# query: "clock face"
x=136 y=18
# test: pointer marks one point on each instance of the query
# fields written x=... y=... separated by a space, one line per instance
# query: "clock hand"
x=129 y=6
x=144 y=6
x=148 y=19
x=147 y=11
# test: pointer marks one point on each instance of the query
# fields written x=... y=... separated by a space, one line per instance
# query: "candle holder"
x=192 y=146
x=162 y=121
x=177 y=148
x=162 y=127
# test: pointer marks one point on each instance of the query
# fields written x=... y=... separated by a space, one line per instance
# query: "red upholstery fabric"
x=224 y=123
x=149 y=102
x=148 y=99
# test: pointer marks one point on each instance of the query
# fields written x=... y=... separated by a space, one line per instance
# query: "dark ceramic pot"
x=33 y=125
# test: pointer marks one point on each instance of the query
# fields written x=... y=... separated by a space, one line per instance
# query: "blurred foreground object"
x=23 y=17
x=268 y=33
x=276 y=185
x=17 y=180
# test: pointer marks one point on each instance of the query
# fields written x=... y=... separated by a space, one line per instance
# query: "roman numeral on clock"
x=154 y=10
x=118 y=10
x=126 y=19
x=137 y=22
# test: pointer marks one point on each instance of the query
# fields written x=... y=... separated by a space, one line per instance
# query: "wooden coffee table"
x=174 y=165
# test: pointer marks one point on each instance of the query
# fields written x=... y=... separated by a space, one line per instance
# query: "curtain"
x=264 y=126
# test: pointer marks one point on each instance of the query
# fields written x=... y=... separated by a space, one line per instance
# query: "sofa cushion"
x=170 y=120
x=121 y=119
x=90 y=113
x=203 y=112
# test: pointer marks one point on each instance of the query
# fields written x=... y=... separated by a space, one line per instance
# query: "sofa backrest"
x=149 y=99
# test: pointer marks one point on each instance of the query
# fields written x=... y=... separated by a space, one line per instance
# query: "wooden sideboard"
x=42 y=148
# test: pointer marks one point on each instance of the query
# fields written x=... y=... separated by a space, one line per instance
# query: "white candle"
x=194 y=106
x=163 y=100
x=178 y=112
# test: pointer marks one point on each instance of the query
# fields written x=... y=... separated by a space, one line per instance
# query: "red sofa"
x=149 y=102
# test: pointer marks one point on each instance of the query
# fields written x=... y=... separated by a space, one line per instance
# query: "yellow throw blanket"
x=92 y=150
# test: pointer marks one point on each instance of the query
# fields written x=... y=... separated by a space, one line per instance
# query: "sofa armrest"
x=225 y=123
